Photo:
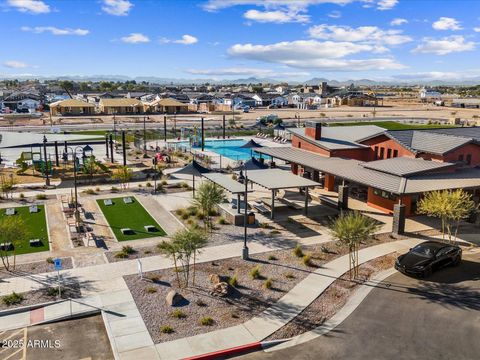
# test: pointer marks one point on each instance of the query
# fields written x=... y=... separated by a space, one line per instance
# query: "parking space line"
x=14 y=353
x=24 y=356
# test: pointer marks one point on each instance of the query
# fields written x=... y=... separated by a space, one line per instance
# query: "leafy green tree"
x=170 y=250
x=123 y=175
x=14 y=231
x=207 y=197
x=91 y=167
x=351 y=228
x=7 y=185
x=450 y=207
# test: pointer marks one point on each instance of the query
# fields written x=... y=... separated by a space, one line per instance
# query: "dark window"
x=376 y=152
x=395 y=153
x=469 y=159
x=460 y=157
x=389 y=153
x=299 y=144
x=382 y=152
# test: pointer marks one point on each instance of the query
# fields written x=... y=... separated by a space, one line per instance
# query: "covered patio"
x=275 y=180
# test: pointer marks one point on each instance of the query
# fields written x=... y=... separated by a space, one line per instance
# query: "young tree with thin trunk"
x=14 y=231
x=124 y=175
x=170 y=250
x=90 y=167
x=450 y=207
x=351 y=228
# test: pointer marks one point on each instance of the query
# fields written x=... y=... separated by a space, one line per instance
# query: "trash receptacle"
x=251 y=218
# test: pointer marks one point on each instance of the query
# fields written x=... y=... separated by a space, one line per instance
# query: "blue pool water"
x=228 y=148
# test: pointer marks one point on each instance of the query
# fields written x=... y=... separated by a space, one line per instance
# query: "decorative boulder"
x=220 y=289
x=173 y=298
x=215 y=279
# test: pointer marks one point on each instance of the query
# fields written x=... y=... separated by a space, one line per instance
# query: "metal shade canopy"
x=252 y=144
x=194 y=168
x=279 y=127
x=252 y=164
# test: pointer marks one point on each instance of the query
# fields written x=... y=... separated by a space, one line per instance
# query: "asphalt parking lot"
x=436 y=318
x=83 y=338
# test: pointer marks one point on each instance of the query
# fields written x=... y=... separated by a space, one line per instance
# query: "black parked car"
x=427 y=257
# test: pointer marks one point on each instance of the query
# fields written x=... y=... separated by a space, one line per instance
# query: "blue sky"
x=226 y=39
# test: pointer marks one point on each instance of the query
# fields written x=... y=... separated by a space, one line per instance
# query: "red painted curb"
x=227 y=352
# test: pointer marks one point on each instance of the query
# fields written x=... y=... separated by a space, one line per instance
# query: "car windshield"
x=423 y=251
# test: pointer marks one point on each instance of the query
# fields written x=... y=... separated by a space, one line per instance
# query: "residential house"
x=71 y=107
x=120 y=106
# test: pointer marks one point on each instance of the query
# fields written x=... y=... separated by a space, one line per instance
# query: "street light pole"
x=245 y=218
x=47 y=179
x=144 y=136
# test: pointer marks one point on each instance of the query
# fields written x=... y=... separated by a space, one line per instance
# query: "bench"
x=150 y=228
x=128 y=200
x=127 y=231
x=33 y=209
x=108 y=202
x=35 y=242
x=262 y=209
x=10 y=211
x=290 y=203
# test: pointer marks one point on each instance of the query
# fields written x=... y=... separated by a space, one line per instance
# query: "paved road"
x=412 y=319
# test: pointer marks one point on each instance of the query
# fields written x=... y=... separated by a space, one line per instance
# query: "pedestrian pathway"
x=127 y=331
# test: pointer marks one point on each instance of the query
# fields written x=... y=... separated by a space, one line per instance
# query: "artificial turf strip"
x=393 y=125
x=133 y=216
x=36 y=225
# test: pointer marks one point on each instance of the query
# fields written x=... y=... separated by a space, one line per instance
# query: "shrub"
x=97 y=189
x=184 y=185
x=298 y=252
x=206 y=321
x=151 y=290
x=127 y=249
x=233 y=281
x=268 y=283
x=222 y=221
x=148 y=184
x=164 y=182
x=274 y=232
x=179 y=212
x=289 y=275
x=213 y=212
x=22 y=196
x=121 y=255
x=52 y=291
x=41 y=197
x=255 y=272
x=200 y=216
x=201 y=303
x=114 y=189
x=192 y=211
x=178 y=314
x=153 y=278
x=307 y=260
x=166 y=329
x=160 y=188
x=12 y=299
x=185 y=216
x=90 y=192
x=235 y=315
x=147 y=252
x=272 y=257
x=140 y=185
x=49 y=260
x=265 y=225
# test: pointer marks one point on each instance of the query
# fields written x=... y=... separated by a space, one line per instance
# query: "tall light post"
x=245 y=214
x=144 y=137
x=155 y=162
x=47 y=178
x=74 y=158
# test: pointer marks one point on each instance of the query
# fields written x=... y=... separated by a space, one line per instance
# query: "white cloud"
x=276 y=16
x=440 y=75
x=446 y=23
x=305 y=54
x=30 y=6
x=367 y=34
x=185 y=40
x=117 y=7
x=55 y=31
x=135 y=38
x=477 y=29
x=386 y=4
x=244 y=71
x=398 y=22
x=335 y=14
x=14 y=64
x=444 y=45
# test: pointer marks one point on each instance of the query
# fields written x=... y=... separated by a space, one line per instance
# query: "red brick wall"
x=453 y=156
x=305 y=145
x=386 y=143
x=386 y=205
x=362 y=154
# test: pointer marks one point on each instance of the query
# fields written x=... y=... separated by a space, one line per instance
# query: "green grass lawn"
x=120 y=215
x=36 y=224
x=392 y=125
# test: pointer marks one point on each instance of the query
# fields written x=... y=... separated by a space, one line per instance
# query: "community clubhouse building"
x=390 y=170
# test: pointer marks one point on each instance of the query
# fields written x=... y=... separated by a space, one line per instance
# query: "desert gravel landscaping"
x=37 y=267
x=282 y=269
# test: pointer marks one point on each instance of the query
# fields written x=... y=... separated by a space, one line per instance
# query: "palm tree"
x=351 y=228
x=207 y=197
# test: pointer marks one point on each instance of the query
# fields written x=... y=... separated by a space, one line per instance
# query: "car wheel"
x=457 y=260
x=427 y=272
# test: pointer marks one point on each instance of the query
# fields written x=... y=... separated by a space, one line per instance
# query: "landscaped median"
x=123 y=215
x=264 y=295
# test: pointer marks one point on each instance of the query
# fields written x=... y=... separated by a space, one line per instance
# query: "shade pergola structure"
x=251 y=144
x=194 y=169
x=227 y=183
x=252 y=164
x=277 y=179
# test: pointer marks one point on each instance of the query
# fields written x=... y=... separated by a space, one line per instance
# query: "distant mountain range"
x=250 y=80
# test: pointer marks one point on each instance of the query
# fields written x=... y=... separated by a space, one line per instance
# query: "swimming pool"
x=228 y=148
